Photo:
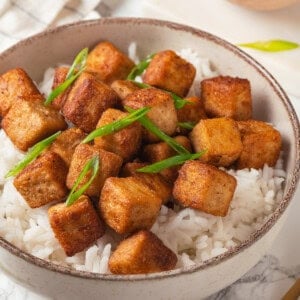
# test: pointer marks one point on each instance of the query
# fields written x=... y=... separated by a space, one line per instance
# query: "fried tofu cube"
x=205 y=188
x=66 y=143
x=27 y=123
x=125 y=142
x=87 y=100
x=170 y=72
x=60 y=74
x=142 y=253
x=128 y=204
x=155 y=182
x=123 y=88
x=261 y=144
x=162 y=114
x=221 y=140
x=160 y=151
x=43 y=181
x=16 y=84
x=77 y=226
x=110 y=165
x=192 y=112
x=108 y=62
x=226 y=96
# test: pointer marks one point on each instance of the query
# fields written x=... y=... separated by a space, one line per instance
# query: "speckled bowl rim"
x=258 y=234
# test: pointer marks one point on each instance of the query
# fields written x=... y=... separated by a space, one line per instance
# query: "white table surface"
x=278 y=270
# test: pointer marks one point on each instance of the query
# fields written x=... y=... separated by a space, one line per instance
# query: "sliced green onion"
x=78 y=66
x=178 y=101
x=61 y=88
x=186 y=125
x=78 y=63
x=117 y=125
x=140 y=67
x=170 y=162
x=92 y=164
x=32 y=154
x=271 y=46
x=150 y=126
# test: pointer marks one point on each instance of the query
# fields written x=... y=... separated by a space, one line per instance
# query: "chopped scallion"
x=271 y=46
x=186 y=125
x=140 y=67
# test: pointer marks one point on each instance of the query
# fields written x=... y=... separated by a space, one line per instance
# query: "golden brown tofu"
x=16 y=84
x=162 y=114
x=225 y=96
x=108 y=63
x=142 y=253
x=123 y=88
x=204 y=187
x=87 y=100
x=155 y=182
x=170 y=72
x=160 y=151
x=221 y=140
x=128 y=204
x=110 y=165
x=261 y=144
x=66 y=143
x=43 y=180
x=60 y=74
x=192 y=112
x=125 y=142
x=27 y=123
x=76 y=227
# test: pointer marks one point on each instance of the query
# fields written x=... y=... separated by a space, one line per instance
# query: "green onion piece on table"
x=150 y=126
x=117 y=125
x=186 y=125
x=178 y=101
x=32 y=154
x=92 y=164
x=170 y=162
x=271 y=46
x=140 y=67
x=78 y=66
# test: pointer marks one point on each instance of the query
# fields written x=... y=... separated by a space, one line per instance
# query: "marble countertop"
x=280 y=267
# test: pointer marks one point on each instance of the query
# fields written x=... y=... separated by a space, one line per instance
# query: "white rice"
x=194 y=236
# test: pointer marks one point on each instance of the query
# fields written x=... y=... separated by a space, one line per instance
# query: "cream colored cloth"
x=22 y=18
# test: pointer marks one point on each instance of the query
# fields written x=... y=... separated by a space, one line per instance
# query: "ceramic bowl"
x=270 y=104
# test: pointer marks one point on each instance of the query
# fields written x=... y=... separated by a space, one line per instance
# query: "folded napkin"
x=22 y=18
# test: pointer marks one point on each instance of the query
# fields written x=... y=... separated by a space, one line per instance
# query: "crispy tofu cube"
x=128 y=204
x=60 y=74
x=170 y=72
x=123 y=88
x=162 y=114
x=129 y=169
x=155 y=182
x=66 y=143
x=109 y=63
x=43 y=181
x=76 y=227
x=16 y=84
x=160 y=151
x=225 y=96
x=142 y=253
x=87 y=100
x=261 y=144
x=27 y=123
x=205 y=188
x=125 y=142
x=192 y=112
x=221 y=140
x=110 y=165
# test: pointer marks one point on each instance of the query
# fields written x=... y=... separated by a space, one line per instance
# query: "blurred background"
x=237 y=21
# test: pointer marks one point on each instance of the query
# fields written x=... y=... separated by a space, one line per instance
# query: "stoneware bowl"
x=271 y=104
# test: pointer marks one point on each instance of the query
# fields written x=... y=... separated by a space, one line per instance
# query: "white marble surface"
x=277 y=271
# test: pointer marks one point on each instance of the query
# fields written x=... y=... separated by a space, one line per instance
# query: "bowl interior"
x=271 y=104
